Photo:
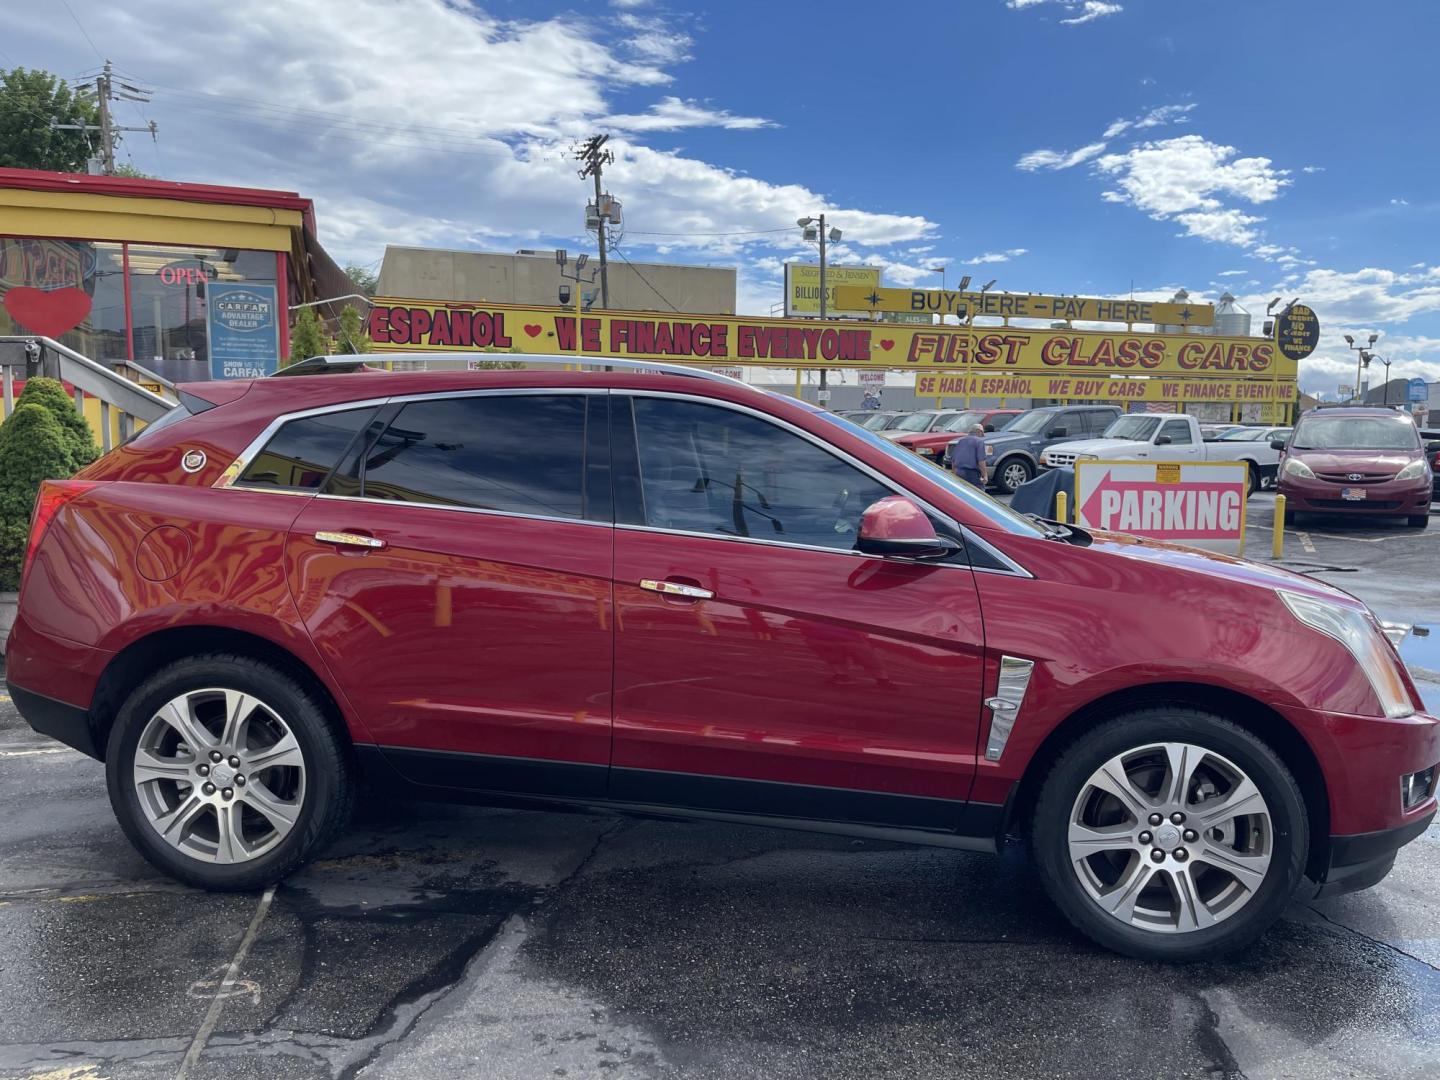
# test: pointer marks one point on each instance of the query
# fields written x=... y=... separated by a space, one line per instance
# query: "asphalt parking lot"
x=441 y=941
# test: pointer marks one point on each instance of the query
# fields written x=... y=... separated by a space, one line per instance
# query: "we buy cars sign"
x=1165 y=500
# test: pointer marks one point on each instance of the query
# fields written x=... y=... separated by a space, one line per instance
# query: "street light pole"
x=825 y=237
x=1362 y=360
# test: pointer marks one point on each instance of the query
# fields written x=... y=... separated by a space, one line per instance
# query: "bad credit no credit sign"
x=1165 y=500
x=397 y=325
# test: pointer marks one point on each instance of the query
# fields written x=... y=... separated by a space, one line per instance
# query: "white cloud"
x=1083 y=11
x=352 y=103
x=1232 y=273
x=1092 y=10
x=1312 y=168
x=995 y=257
x=1056 y=159
x=1221 y=226
x=1399 y=202
x=672 y=114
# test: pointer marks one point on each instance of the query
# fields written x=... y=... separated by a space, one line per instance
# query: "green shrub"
x=51 y=394
x=33 y=447
x=308 y=337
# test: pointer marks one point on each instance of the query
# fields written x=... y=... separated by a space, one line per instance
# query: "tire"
x=289 y=808
x=1228 y=911
x=1252 y=478
x=1418 y=521
x=1011 y=473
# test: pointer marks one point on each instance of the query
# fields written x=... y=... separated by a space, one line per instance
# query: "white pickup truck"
x=1166 y=437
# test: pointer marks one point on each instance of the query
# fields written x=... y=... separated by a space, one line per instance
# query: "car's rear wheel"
x=226 y=772
x=1012 y=473
x=1252 y=478
x=1418 y=521
x=1170 y=833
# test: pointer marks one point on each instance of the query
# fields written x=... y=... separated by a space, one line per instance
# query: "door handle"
x=674 y=588
x=349 y=539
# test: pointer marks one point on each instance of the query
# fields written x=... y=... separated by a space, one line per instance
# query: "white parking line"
x=32 y=753
x=1304 y=539
x=223 y=988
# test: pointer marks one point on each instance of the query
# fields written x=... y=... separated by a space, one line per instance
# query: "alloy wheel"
x=219 y=775
x=1014 y=475
x=1170 y=837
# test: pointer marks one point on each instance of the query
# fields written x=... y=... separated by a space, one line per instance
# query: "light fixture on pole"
x=1362 y=359
x=813 y=230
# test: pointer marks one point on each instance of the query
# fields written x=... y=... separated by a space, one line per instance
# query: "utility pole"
x=593 y=153
x=105 y=93
x=826 y=235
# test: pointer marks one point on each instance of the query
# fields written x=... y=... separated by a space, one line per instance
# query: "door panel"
x=478 y=627
x=814 y=682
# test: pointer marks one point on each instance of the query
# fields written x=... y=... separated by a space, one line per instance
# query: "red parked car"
x=932 y=442
x=1356 y=461
x=697 y=597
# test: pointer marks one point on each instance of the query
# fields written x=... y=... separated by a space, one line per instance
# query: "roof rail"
x=334 y=365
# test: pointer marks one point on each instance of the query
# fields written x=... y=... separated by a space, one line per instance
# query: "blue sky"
x=1271 y=147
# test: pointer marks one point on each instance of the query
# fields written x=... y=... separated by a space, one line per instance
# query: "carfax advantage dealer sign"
x=242 y=330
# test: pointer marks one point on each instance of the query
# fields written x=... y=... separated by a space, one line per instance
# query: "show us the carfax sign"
x=242 y=330
x=1180 y=500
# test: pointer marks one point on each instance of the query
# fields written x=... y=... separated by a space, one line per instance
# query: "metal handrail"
x=99 y=381
x=351 y=361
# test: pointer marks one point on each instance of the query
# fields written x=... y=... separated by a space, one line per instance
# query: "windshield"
x=1029 y=423
x=959 y=422
x=879 y=422
x=1244 y=434
x=1355 y=433
x=997 y=513
x=1134 y=428
x=916 y=421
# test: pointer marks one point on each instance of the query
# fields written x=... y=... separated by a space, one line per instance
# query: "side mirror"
x=896 y=526
x=1279 y=444
x=989 y=427
x=1163 y=440
x=1058 y=432
x=1432 y=448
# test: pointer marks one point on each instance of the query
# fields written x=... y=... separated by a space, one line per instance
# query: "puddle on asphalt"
x=1421 y=647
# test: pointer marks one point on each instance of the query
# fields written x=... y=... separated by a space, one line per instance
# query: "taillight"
x=53 y=495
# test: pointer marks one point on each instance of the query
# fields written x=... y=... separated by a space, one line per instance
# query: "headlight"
x=1296 y=467
x=1087 y=457
x=1413 y=471
x=989 y=451
x=924 y=451
x=1358 y=633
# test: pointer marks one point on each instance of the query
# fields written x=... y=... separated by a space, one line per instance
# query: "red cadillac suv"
x=696 y=597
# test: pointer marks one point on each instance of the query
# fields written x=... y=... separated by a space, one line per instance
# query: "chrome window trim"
x=232 y=471
x=834 y=451
x=454 y=509
x=1015 y=569
x=1013 y=681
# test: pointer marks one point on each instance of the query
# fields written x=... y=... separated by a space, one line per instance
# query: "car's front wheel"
x=1170 y=833
x=1012 y=473
x=226 y=772
x=1418 y=521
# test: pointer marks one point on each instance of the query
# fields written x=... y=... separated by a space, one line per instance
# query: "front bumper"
x=1324 y=497
x=1362 y=860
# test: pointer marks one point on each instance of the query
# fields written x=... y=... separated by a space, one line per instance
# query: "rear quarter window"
x=303 y=452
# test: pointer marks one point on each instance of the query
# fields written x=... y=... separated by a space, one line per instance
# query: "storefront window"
x=167 y=302
x=69 y=290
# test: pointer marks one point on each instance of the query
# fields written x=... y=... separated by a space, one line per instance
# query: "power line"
x=593 y=153
x=739 y=232
x=81 y=28
x=646 y=280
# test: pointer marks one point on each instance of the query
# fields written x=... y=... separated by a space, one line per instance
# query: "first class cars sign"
x=1164 y=500
x=401 y=325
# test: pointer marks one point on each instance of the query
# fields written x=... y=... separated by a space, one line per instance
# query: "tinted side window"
x=517 y=453
x=1097 y=420
x=708 y=469
x=301 y=454
x=1179 y=432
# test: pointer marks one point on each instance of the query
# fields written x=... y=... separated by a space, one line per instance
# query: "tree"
x=308 y=337
x=50 y=393
x=125 y=168
x=33 y=448
x=30 y=101
x=354 y=336
x=365 y=281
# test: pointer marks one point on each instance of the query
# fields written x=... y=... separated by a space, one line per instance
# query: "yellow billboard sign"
x=1075 y=388
x=802 y=288
x=1024 y=306
x=421 y=325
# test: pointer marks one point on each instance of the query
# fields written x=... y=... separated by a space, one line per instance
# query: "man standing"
x=968 y=457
